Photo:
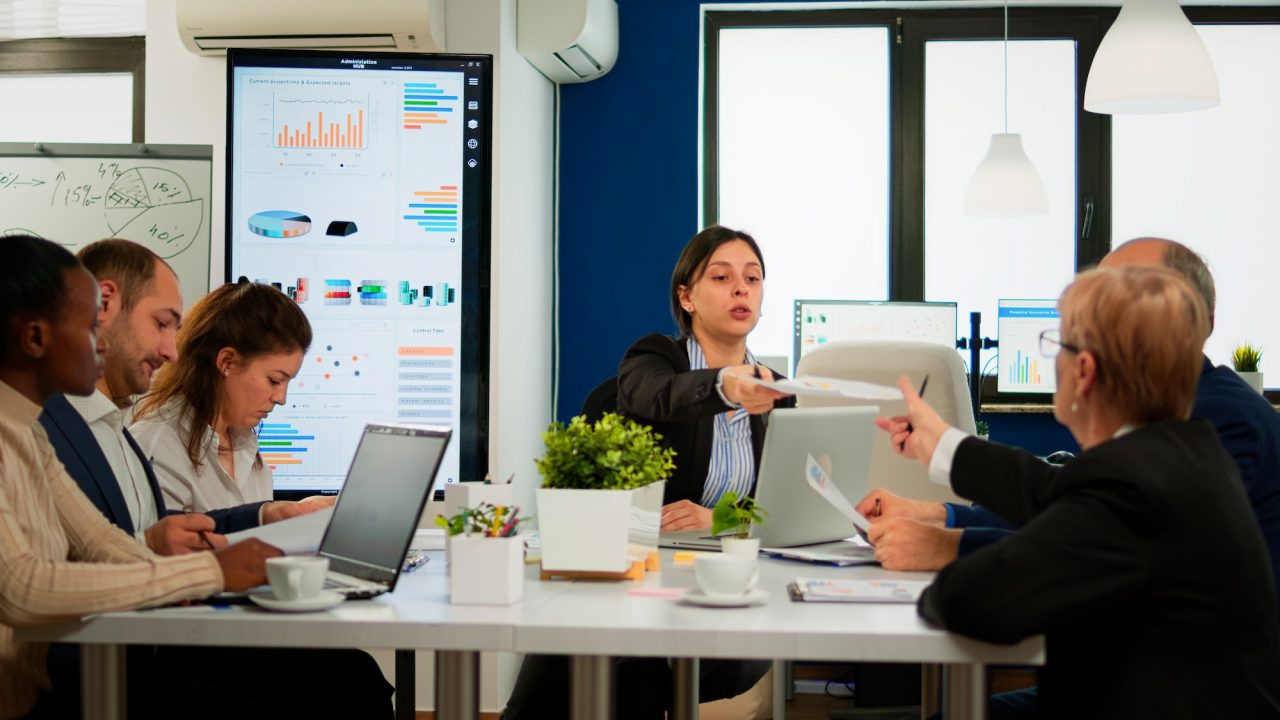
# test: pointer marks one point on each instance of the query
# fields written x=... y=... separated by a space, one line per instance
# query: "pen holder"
x=470 y=494
x=485 y=570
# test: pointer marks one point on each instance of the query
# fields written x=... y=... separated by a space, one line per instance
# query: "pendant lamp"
x=1152 y=60
x=1006 y=184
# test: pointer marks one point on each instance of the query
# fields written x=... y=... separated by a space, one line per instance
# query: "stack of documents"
x=874 y=591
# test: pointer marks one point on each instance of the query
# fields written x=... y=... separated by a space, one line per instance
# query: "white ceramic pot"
x=598 y=530
x=742 y=547
x=1254 y=379
x=485 y=570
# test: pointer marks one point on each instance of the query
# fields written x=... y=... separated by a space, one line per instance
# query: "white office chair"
x=883 y=363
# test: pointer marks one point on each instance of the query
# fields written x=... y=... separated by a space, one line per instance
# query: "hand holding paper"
x=831 y=387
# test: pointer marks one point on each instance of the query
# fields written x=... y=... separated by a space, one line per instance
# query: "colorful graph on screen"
x=279 y=224
x=282 y=444
x=435 y=211
x=320 y=123
x=426 y=104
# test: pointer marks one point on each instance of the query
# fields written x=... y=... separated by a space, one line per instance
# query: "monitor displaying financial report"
x=359 y=184
x=1023 y=369
x=819 y=322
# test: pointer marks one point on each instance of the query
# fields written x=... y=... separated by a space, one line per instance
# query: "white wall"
x=186 y=103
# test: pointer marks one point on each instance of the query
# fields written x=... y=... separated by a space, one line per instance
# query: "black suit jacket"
x=79 y=451
x=656 y=386
x=1141 y=563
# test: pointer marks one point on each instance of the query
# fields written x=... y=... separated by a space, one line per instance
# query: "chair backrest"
x=603 y=399
x=883 y=363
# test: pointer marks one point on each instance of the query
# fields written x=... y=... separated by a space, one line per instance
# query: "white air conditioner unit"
x=569 y=41
x=209 y=27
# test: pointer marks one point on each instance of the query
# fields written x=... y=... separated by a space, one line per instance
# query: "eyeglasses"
x=1051 y=344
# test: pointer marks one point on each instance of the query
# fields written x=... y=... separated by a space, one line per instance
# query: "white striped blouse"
x=733 y=464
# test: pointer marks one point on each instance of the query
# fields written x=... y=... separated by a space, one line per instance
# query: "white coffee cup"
x=724 y=574
x=296 y=578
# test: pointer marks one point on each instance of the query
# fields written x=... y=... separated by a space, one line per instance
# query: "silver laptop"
x=839 y=439
x=377 y=513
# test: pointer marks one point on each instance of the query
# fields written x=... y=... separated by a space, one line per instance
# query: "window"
x=1209 y=179
x=73 y=90
x=804 y=163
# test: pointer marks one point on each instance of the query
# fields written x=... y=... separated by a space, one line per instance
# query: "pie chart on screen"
x=279 y=224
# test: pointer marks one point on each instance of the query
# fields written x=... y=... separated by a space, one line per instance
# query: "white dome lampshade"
x=1006 y=184
x=1152 y=60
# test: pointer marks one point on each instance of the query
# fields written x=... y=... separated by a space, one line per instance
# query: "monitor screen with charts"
x=819 y=322
x=1022 y=368
x=359 y=185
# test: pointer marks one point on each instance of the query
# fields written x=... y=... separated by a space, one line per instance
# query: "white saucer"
x=754 y=596
x=323 y=601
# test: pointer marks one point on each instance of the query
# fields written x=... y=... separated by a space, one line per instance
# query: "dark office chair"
x=603 y=399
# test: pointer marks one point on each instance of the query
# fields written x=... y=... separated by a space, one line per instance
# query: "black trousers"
x=643 y=686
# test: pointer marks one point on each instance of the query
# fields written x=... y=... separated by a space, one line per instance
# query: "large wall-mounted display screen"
x=359 y=184
x=1023 y=369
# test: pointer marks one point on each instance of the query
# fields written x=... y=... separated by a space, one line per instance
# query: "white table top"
x=580 y=617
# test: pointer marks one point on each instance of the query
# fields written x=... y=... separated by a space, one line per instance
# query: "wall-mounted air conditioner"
x=569 y=41
x=209 y=27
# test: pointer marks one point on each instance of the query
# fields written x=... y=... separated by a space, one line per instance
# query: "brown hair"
x=251 y=318
x=130 y=265
x=1145 y=326
x=693 y=261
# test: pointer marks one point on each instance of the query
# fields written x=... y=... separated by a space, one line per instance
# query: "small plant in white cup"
x=733 y=517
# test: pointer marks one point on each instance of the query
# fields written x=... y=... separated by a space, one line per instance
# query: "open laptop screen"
x=385 y=491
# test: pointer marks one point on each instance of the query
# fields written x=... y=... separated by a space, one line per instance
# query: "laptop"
x=374 y=519
x=840 y=440
x=377 y=512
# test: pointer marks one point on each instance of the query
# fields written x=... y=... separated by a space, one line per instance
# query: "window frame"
x=49 y=56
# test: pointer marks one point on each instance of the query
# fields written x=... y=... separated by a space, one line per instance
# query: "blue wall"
x=628 y=191
x=629 y=202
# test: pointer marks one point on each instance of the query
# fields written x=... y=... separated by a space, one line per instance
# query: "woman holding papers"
x=237 y=351
x=698 y=389
x=1140 y=560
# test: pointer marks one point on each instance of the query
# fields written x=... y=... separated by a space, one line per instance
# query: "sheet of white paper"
x=821 y=484
x=296 y=536
x=831 y=387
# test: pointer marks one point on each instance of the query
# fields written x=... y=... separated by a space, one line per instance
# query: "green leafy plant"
x=484 y=519
x=613 y=454
x=733 y=514
x=983 y=428
x=1245 y=358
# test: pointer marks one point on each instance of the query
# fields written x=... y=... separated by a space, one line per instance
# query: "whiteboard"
x=73 y=194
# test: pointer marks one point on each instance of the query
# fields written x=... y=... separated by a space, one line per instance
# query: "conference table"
x=592 y=621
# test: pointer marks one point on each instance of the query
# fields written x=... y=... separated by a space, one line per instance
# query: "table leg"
x=590 y=687
x=965 y=688
x=102 y=682
x=781 y=675
x=930 y=690
x=457 y=685
x=684 y=672
x=406 y=685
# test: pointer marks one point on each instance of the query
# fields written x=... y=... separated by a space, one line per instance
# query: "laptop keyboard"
x=352 y=588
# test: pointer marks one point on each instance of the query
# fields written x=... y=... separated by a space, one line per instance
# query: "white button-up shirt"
x=106 y=421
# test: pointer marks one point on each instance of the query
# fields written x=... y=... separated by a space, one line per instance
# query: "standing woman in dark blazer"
x=1140 y=561
x=691 y=387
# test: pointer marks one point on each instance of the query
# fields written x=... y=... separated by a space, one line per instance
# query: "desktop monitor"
x=819 y=322
x=1022 y=368
x=358 y=183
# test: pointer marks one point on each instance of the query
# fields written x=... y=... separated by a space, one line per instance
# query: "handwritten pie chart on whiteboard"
x=154 y=207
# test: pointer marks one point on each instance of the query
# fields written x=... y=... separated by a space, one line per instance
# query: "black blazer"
x=1141 y=563
x=656 y=386
x=79 y=451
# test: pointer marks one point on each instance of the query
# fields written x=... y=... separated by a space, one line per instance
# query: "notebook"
x=840 y=439
x=373 y=522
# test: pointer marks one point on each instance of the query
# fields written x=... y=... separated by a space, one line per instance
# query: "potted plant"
x=600 y=504
x=733 y=516
x=983 y=429
x=486 y=555
x=1245 y=359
